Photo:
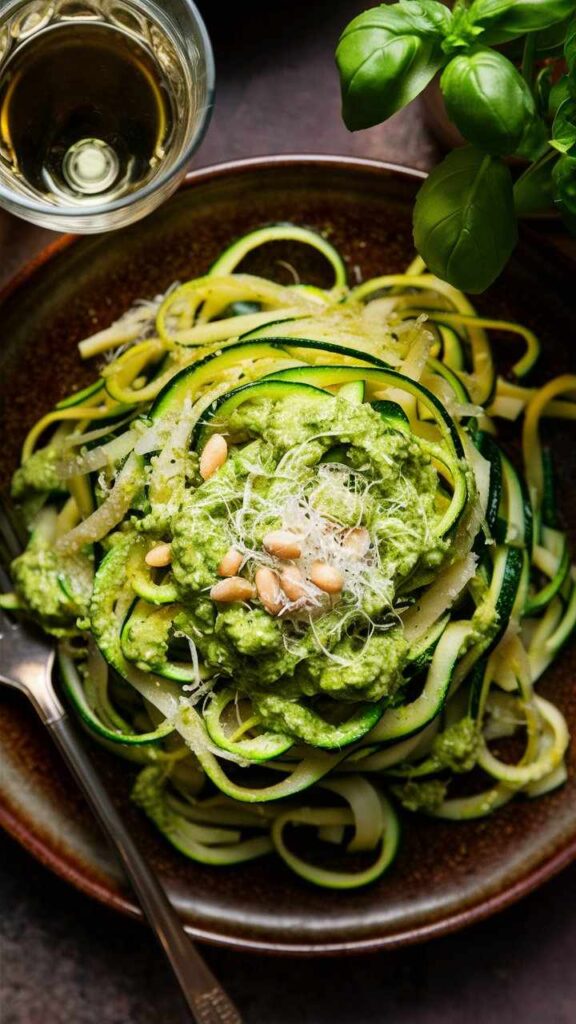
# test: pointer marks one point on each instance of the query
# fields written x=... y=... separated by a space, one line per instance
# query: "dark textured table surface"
x=65 y=960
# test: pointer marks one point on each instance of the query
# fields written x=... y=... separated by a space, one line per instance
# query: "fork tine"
x=5 y=583
x=5 y=624
x=5 y=560
x=9 y=549
x=10 y=541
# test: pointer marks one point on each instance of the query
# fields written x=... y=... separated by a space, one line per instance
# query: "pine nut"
x=213 y=456
x=230 y=563
x=159 y=556
x=292 y=582
x=283 y=544
x=357 y=541
x=327 y=577
x=268 y=587
x=235 y=588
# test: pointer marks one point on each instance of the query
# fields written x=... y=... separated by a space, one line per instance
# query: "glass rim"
x=63 y=213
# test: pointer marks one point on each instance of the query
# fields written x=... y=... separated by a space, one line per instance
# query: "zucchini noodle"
x=397 y=588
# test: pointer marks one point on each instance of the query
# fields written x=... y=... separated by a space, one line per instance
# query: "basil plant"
x=518 y=99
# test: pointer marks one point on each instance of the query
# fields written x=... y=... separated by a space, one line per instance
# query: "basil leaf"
x=564 y=128
x=386 y=56
x=534 y=191
x=488 y=100
x=464 y=223
x=559 y=92
x=564 y=125
x=505 y=19
x=570 y=47
x=542 y=89
x=534 y=142
x=564 y=177
x=550 y=41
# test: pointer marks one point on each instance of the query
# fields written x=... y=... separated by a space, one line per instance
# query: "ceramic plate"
x=446 y=875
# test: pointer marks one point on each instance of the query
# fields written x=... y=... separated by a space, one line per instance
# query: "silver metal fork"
x=26 y=663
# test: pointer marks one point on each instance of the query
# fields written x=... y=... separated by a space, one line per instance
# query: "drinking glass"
x=102 y=105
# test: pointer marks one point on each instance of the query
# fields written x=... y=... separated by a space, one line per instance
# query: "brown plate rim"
x=69 y=872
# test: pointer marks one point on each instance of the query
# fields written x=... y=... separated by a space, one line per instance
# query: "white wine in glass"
x=102 y=104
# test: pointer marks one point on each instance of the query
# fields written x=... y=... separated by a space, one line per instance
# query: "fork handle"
x=206 y=1000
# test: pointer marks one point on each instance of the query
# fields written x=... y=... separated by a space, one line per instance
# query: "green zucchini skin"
x=267 y=387
x=353 y=392
x=322 y=376
x=78 y=397
x=264 y=747
x=185 y=383
x=402 y=722
x=314 y=379
x=391 y=412
x=422 y=650
x=537 y=602
x=77 y=697
x=444 y=643
x=452 y=349
x=491 y=452
x=137 y=617
x=229 y=260
x=325 y=735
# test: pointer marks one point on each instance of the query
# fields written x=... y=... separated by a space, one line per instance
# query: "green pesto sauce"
x=38 y=475
x=419 y=795
x=146 y=635
x=53 y=587
x=347 y=467
x=35 y=481
x=388 y=485
x=457 y=747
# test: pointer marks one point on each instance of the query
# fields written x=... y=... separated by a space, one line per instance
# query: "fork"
x=26 y=664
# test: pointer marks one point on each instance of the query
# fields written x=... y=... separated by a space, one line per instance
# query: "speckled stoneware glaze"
x=446 y=875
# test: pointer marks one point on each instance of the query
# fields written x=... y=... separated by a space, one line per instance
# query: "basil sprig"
x=465 y=215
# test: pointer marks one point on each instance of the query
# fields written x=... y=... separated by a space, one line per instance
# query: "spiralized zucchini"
x=104 y=474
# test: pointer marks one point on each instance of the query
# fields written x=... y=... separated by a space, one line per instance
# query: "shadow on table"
x=67 y=960
x=260 y=28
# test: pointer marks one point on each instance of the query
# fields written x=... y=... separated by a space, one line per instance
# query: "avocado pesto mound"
x=282 y=551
